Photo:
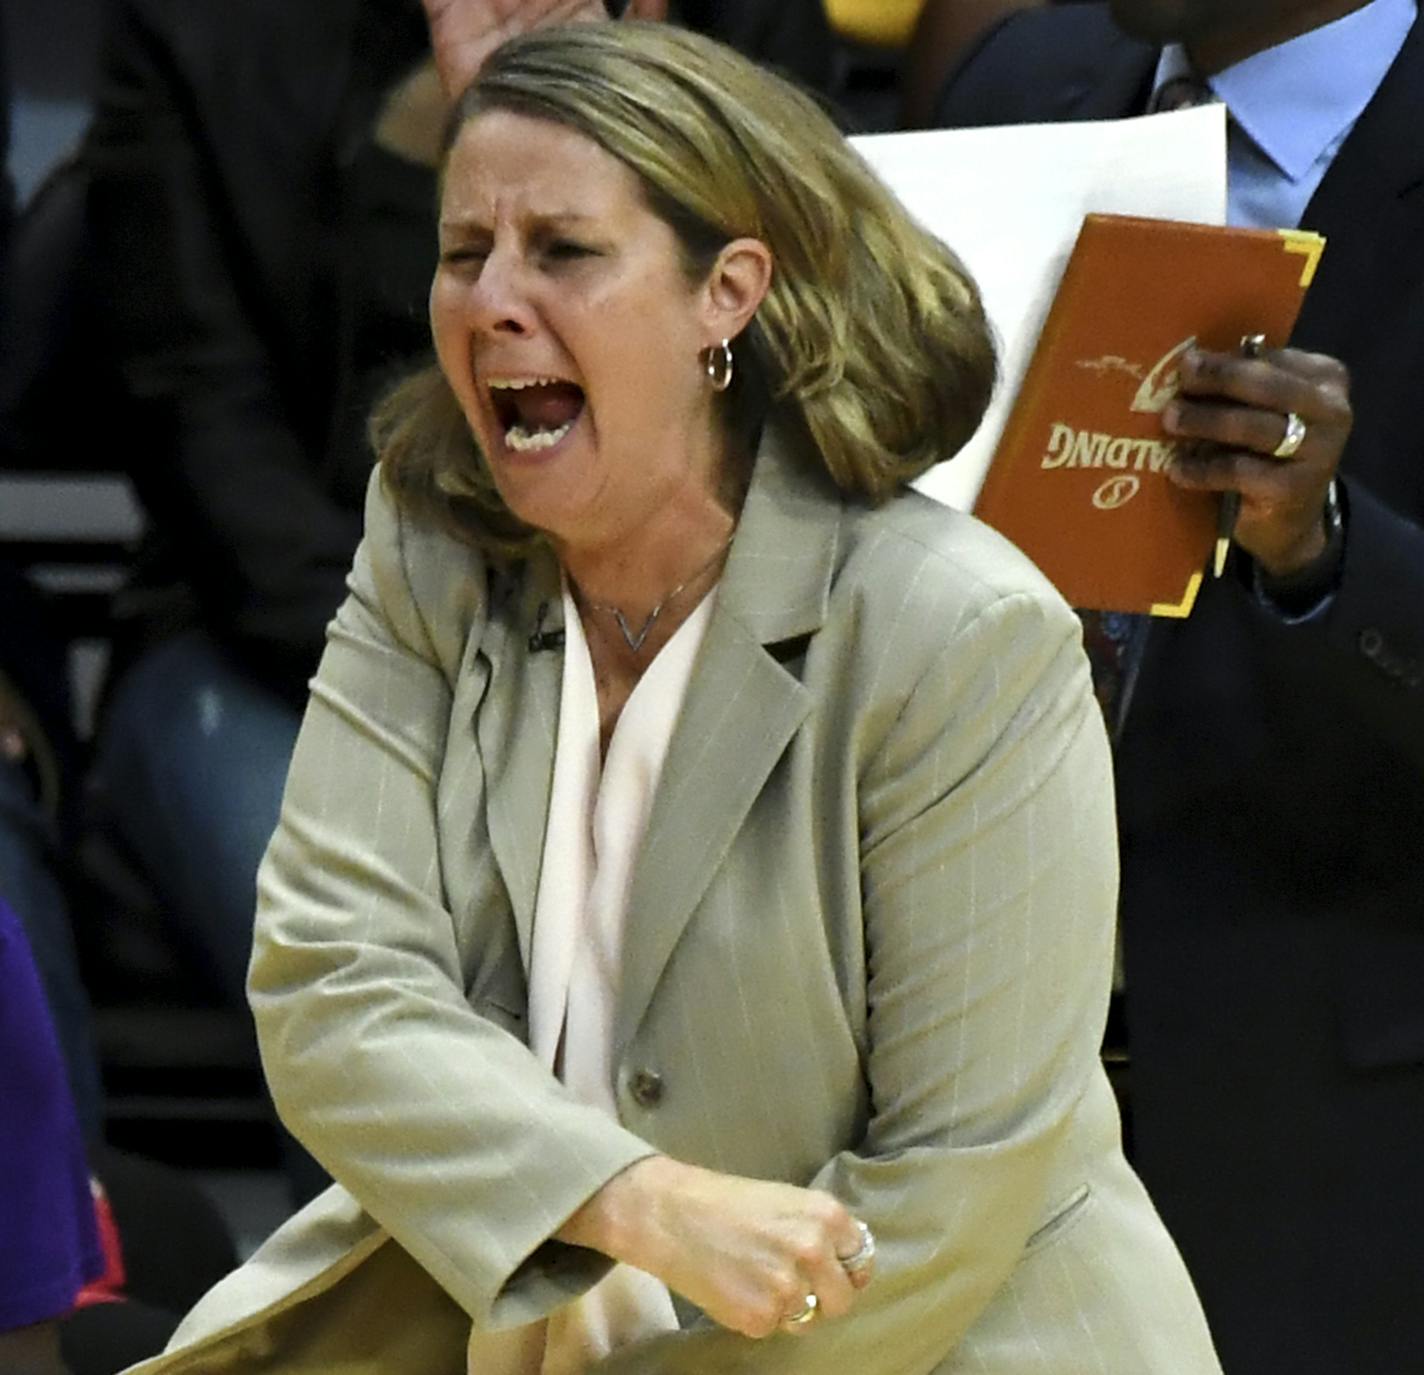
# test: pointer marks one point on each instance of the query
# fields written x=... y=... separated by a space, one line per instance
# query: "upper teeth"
x=518 y=383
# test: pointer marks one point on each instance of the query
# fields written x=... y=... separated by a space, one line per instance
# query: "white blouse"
x=597 y=817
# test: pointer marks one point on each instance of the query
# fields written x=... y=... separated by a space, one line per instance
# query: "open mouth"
x=535 y=413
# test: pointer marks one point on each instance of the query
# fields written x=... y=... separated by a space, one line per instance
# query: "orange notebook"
x=1079 y=481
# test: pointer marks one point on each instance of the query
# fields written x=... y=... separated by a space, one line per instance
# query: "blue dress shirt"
x=1293 y=105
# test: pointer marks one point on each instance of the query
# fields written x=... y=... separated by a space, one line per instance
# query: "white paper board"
x=1010 y=202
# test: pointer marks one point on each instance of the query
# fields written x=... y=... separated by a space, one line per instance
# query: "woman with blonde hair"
x=687 y=939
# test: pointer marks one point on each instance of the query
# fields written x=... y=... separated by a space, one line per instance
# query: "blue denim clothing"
x=192 y=761
x=191 y=765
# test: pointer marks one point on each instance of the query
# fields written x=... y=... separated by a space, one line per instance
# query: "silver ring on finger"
x=1294 y=437
x=860 y=1258
x=806 y=1313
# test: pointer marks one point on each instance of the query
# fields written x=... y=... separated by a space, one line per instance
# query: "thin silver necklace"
x=635 y=639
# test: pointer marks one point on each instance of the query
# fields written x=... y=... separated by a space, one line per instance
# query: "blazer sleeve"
x=1367 y=650
x=442 y=1125
x=989 y=878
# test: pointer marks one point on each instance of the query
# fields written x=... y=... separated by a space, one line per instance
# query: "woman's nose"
x=499 y=301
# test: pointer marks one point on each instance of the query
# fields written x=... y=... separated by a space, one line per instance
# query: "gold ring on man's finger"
x=1293 y=439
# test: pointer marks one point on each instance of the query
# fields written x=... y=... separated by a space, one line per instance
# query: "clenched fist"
x=748 y=1252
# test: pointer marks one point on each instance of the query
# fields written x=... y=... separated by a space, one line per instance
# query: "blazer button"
x=646 y=1086
x=1371 y=643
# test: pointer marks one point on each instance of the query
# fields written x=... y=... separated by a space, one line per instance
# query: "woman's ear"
x=736 y=286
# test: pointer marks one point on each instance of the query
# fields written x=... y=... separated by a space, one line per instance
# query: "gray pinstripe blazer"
x=868 y=949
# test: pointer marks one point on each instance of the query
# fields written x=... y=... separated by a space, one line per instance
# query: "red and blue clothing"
x=49 y=1239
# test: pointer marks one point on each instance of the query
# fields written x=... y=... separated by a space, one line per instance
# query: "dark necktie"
x=1113 y=641
x=1181 y=93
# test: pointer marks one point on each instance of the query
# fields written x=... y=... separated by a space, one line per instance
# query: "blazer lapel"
x=742 y=709
x=1379 y=171
x=516 y=729
x=1369 y=292
x=1384 y=150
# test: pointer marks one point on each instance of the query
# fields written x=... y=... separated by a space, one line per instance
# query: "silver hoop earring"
x=719 y=365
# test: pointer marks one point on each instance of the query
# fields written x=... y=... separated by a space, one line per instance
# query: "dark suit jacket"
x=256 y=291
x=1271 y=797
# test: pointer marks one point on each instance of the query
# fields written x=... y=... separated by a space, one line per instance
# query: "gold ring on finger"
x=805 y=1315
x=1294 y=437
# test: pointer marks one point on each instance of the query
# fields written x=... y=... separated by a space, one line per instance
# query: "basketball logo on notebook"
x=1161 y=383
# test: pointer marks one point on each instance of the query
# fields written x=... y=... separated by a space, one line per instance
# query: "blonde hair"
x=871 y=343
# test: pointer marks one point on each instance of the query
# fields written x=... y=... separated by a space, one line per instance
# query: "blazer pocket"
x=1074 y=1207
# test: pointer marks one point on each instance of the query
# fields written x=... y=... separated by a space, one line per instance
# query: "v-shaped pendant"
x=634 y=640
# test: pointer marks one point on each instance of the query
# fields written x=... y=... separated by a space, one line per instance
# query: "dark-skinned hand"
x=1230 y=413
x=465 y=32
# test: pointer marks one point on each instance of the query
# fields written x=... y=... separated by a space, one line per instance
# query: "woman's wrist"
x=616 y=1220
